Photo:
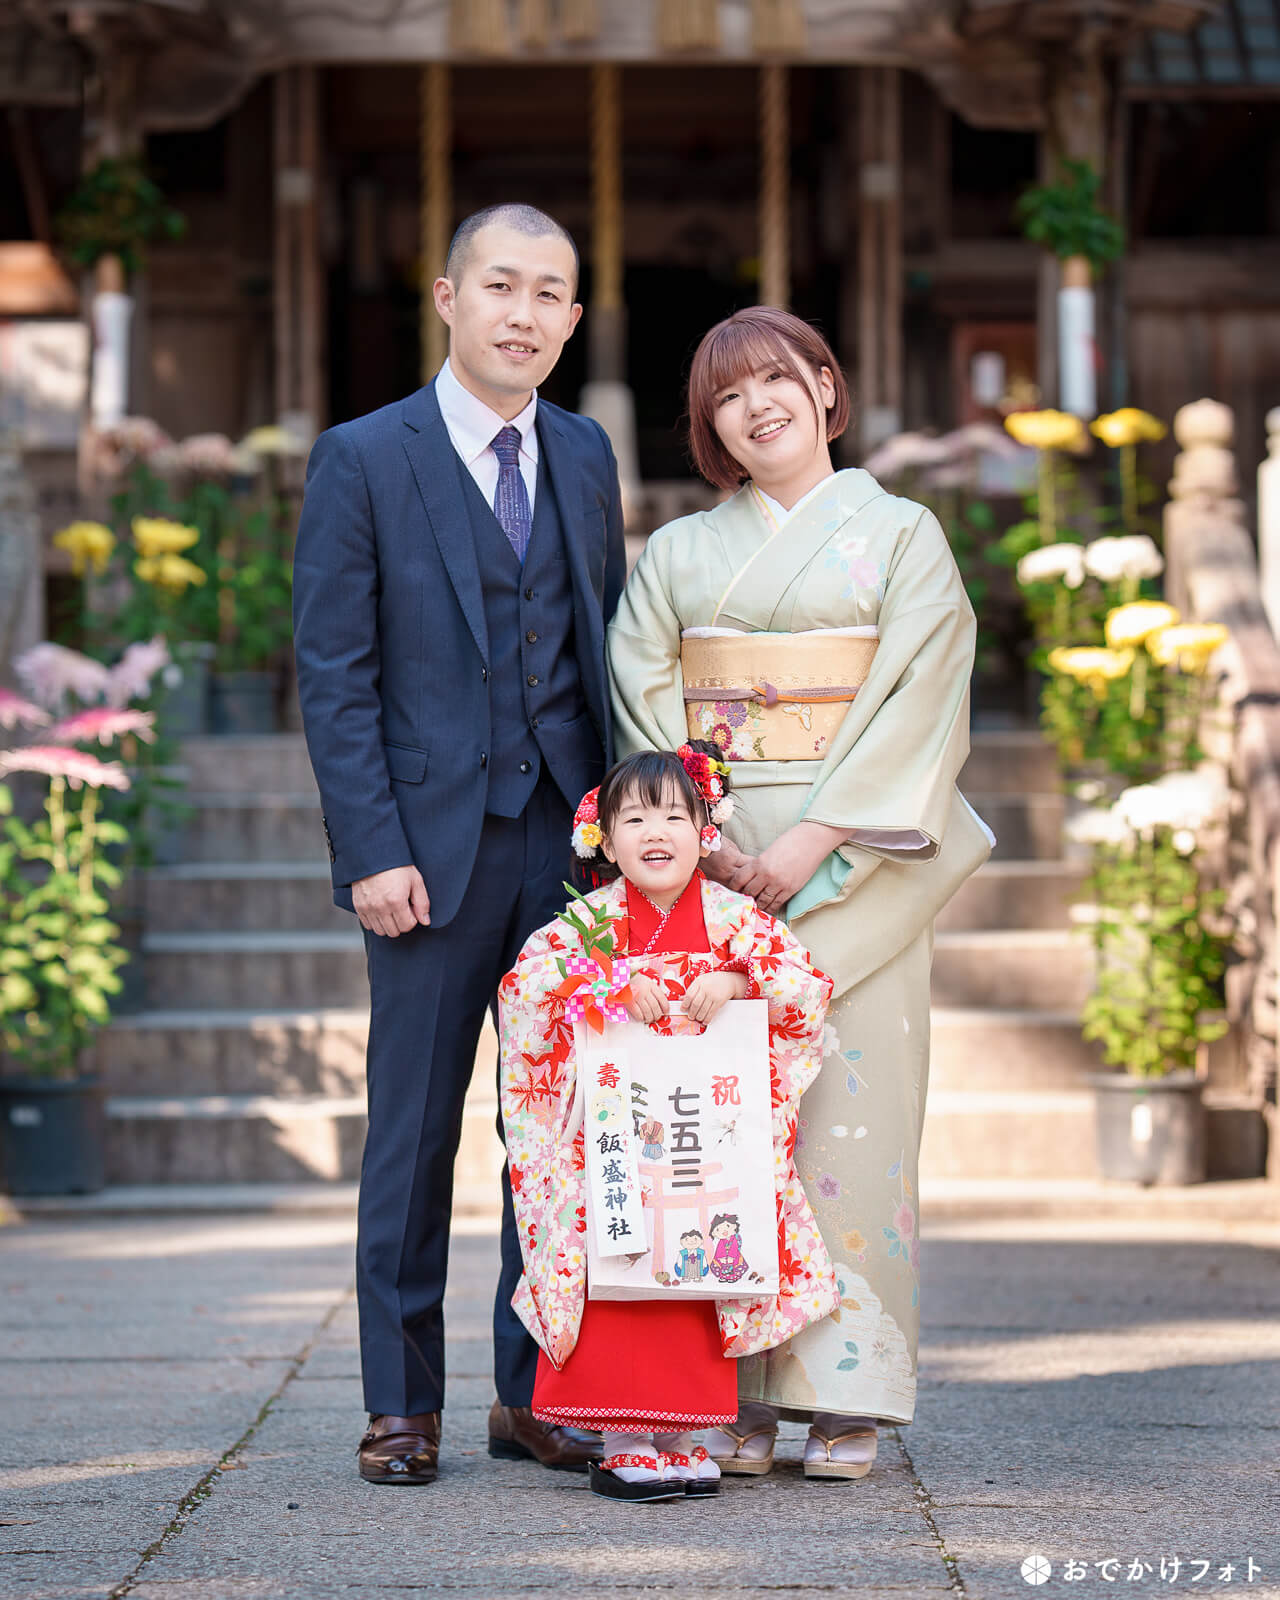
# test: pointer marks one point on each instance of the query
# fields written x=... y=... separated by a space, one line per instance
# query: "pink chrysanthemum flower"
x=132 y=674
x=15 y=712
x=61 y=761
x=102 y=724
x=50 y=672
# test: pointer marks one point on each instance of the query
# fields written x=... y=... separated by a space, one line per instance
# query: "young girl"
x=646 y=1373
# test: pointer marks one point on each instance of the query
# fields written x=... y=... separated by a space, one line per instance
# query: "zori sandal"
x=854 y=1463
x=706 y=1478
x=727 y=1446
x=605 y=1481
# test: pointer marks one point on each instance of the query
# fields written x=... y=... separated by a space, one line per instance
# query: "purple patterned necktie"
x=511 y=503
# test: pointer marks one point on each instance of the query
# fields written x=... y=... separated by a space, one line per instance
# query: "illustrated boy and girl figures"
x=727 y=1261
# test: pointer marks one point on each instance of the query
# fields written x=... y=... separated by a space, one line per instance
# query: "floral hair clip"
x=708 y=776
x=587 y=836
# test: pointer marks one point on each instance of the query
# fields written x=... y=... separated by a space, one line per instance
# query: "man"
x=458 y=557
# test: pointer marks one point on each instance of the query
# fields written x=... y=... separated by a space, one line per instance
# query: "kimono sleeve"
x=782 y=972
x=644 y=654
x=893 y=765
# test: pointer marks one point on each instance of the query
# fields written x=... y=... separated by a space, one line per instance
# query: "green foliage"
x=1158 y=965
x=59 y=951
x=1068 y=218
x=116 y=210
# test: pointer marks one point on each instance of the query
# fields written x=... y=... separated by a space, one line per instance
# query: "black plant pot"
x=244 y=702
x=185 y=711
x=1149 y=1130
x=52 y=1135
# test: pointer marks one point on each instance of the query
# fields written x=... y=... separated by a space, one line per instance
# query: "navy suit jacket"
x=390 y=636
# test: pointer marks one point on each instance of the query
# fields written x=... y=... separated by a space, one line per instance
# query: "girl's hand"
x=648 y=1000
x=708 y=995
x=788 y=864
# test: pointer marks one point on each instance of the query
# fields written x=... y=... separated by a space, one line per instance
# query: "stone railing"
x=1212 y=576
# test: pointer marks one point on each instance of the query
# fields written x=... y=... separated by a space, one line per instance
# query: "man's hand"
x=708 y=995
x=648 y=999
x=788 y=864
x=392 y=903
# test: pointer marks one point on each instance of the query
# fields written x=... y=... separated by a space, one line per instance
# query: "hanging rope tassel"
x=480 y=27
x=535 y=24
x=579 y=20
x=688 y=24
x=778 y=27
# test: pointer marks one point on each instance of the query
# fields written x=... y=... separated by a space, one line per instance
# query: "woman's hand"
x=788 y=864
x=708 y=995
x=648 y=999
x=726 y=863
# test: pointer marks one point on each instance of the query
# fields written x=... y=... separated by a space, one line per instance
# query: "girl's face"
x=773 y=425
x=723 y=1230
x=658 y=847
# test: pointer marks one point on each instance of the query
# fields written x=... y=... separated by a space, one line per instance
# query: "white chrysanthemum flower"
x=1051 y=563
x=1099 y=826
x=1132 y=555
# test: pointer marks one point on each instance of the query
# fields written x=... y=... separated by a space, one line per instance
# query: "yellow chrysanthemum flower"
x=1046 y=430
x=1132 y=625
x=1092 y=665
x=591 y=835
x=169 y=571
x=87 y=542
x=1189 y=644
x=270 y=440
x=1128 y=426
x=159 y=536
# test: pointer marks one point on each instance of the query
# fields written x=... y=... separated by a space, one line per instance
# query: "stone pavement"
x=181 y=1405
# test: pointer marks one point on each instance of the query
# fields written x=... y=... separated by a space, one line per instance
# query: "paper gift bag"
x=678 y=1135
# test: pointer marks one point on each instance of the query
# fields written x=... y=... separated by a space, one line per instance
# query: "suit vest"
x=537 y=709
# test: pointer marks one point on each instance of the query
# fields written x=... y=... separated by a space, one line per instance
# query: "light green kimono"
x=852 y=555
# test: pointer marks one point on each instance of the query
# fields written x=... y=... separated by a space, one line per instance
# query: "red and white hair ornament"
x=586 y=825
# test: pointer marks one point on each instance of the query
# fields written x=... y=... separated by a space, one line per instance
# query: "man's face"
x=509 y=314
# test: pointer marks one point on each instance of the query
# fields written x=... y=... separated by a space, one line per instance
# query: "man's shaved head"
x=534 y=224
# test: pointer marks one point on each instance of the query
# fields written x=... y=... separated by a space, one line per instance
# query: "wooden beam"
x=775 y=185
x=879 y=199
x=436 y=206
x=300 y=386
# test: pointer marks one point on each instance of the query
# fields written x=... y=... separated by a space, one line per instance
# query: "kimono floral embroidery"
x=550 y=1195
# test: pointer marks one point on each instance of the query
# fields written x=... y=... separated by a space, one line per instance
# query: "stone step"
x=1047 y=969
x=271 y=825
x=1015 y=894
x=1028 y=827
x=241 y=1052
x=274 y=1136
x=210 y=896
x=1008 y=1134
x=273 y=971
x=1019 y=761
x=1002 y=1051
x=266 y=763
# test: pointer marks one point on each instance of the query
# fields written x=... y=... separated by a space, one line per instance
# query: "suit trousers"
x=430 y=989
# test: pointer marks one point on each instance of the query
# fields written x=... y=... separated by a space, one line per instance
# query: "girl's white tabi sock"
x=645 y=1469
x=681 y=1446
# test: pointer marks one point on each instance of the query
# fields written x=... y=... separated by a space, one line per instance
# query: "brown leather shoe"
x=400 y=1449
x=515 y=1434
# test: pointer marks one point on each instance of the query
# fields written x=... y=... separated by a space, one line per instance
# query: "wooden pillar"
x=775 y=185
x=300 y=386
x=436 y=213
x=879 y=205
x=607 y=397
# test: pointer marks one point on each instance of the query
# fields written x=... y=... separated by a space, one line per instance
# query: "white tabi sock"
x=632 y=1444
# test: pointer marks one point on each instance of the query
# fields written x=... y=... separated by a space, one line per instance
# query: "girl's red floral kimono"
x=655 y=1362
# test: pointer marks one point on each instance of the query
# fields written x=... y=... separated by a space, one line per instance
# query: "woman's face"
x=770 y=423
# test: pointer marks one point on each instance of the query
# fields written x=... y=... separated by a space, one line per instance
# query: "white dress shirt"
x=472 y=427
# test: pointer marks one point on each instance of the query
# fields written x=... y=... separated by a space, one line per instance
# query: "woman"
x=817 y=629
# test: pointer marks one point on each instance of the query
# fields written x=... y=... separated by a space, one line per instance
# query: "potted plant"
x=1158 y=961
x=1066 y=216
x=59 y=951
x=255 y=630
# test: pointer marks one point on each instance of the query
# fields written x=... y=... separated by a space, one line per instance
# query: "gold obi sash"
x=772 y=696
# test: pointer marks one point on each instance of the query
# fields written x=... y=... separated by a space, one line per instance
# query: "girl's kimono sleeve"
x=892 y=766
x=781 y=971
x=644 y=652
x=536 y=1088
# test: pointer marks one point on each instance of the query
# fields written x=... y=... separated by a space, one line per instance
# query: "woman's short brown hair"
x=757 y=337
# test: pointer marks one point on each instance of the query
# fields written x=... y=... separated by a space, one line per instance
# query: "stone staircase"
x=247 y=1065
